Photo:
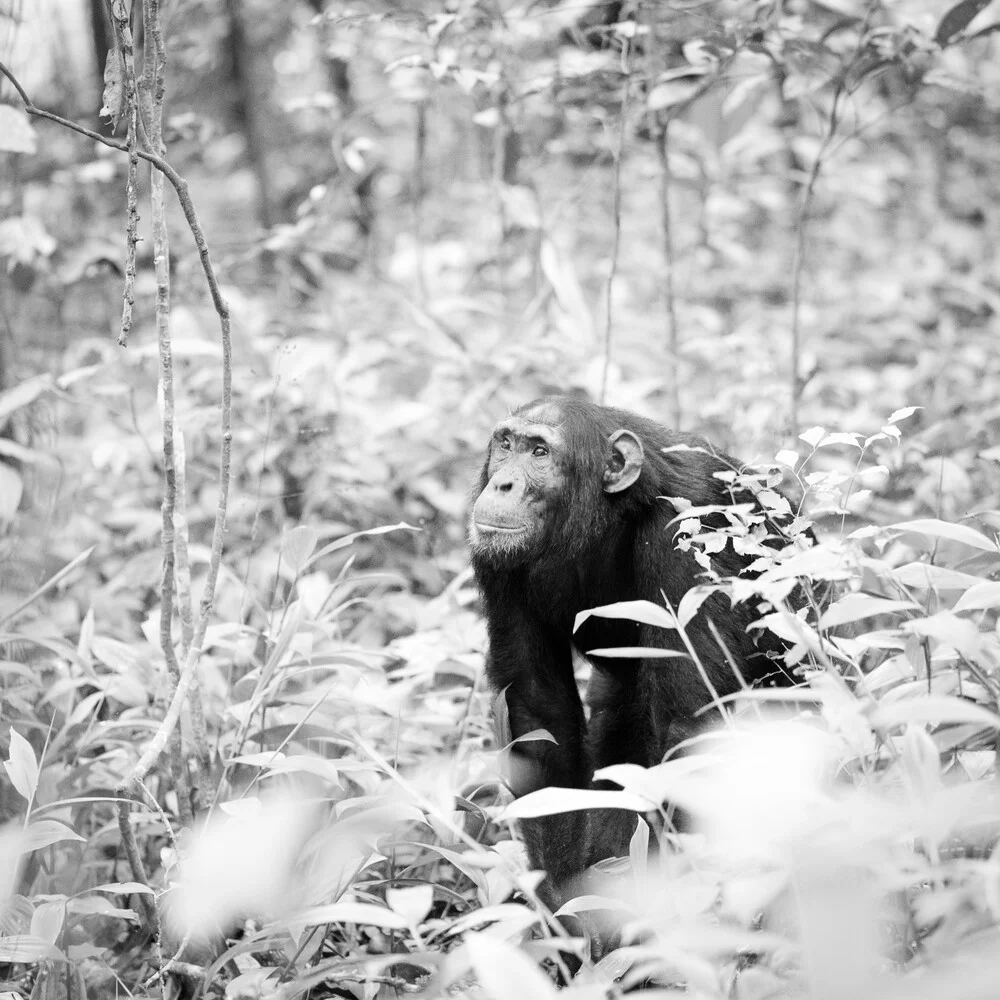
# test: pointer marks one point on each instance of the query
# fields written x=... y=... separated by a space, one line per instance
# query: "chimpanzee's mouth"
x=499 y=529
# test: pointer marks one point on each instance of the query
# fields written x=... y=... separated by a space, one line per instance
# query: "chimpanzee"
x=572 y=512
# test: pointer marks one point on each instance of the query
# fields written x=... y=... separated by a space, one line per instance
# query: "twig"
x=617 y=218
x=146 y=904
x=120 y=18
x=662 y=132
x=802 y=224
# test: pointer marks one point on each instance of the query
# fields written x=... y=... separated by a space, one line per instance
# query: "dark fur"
x=597 y=548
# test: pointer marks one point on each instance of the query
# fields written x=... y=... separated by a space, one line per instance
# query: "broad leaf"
x=352 y=913
x=549 y=801
x=504 y=972
x=926 y=576
x=21 y=766
x=44 y=832
x=48 y=919
x=956 y=20
x=853 y=607
x=16 y=132
x=946 y=627
x=412 y=902
x=297 y=546
x=638 y=611
x=978 y=598
x=945 y=529
x=124 y=888
x=513 y=917
x=113 y=102
x=25 y=949
x=636 y=653
x=932 y=709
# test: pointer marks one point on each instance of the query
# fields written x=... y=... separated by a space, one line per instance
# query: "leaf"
x=413 y=902
x=44 y=832
x=932 y=709
x=638 y=847
x=895 y=669
x=512 y=917
x=48 y=919
x=341 y=543
x=677 y=90
x=636 y=653
x=945 y=529
x=691 y=602
x=921 y=763
x=549 y=801
x=956 y=19
x=123 y=887
x=21 y=766
x=113 y=99
x=925 y=576
x=505 y=972
x=787 y=458
x=983 y=32
x=978 y=598
x=347 y=912
x=774 y=503
x=279 y=763
x=854 y=440
x=638 y=611
x=948 y=628
x=535 y=735
x=852 y=607
x=16 y=132
x=581 y=904
x=689 y=513
x=965 y=737
x=902 y=414
x=297 y=546
x=465 y=863
x=813 y=436
x=11 y=491
x=86 y=906
x=26 y=949
x=24 y=393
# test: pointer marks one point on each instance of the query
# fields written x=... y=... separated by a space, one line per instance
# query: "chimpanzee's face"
x=525 y=473
x=546 y=482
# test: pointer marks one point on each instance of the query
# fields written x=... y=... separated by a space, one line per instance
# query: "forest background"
x=349 y=238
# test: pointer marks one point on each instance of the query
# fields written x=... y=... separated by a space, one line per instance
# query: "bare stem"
x=616 y=219
x=669 y=294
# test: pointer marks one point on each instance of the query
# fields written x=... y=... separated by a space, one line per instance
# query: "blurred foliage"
x=457 y=196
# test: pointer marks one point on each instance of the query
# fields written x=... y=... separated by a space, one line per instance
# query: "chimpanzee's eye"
x=540 y=451
x=505 y=443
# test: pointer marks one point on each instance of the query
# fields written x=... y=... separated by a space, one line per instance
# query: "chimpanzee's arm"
x=534 y=668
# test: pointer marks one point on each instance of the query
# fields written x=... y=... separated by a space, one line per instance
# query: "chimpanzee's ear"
x=625 y=464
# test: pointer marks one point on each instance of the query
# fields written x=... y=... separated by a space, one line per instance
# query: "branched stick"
x=127 y=789
x=120 y=17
